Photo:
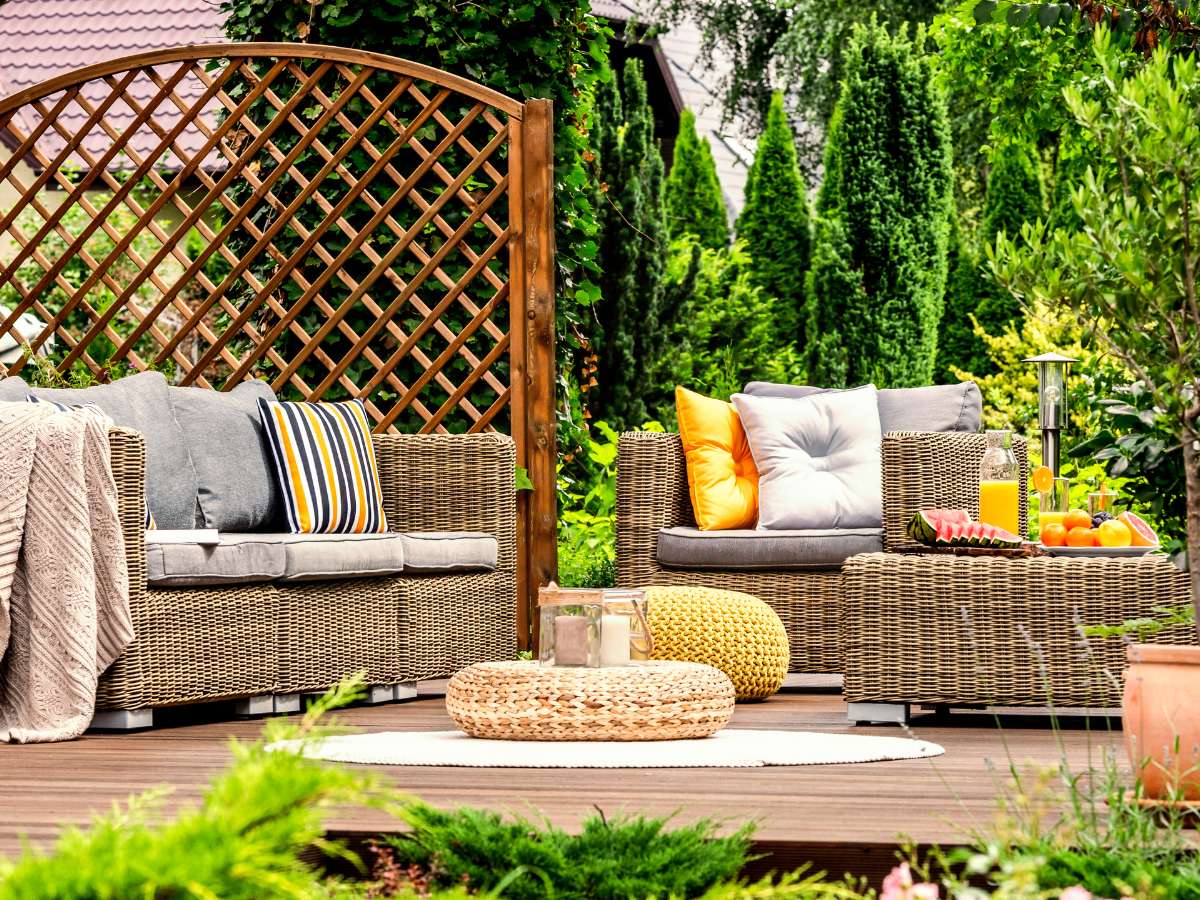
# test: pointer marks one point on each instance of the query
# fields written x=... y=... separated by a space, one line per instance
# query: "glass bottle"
x=999 y=483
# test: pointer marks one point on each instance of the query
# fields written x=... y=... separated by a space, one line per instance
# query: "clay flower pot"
x=1161 y=719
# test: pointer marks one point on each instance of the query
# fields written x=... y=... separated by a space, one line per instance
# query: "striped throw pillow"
x=325 y=465
x=149 y=523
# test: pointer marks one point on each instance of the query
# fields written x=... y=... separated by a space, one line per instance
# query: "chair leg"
x=286 y=703
x=887 y=713
x=379 y=693
x=122 y=719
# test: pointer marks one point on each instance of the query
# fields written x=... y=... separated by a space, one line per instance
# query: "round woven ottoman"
x=735 y=632
x=651 y=701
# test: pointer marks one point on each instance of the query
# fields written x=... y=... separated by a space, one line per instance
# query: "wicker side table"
x=933 y=629
x=651 y=701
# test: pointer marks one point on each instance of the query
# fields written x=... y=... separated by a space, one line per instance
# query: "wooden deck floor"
x=843 y=818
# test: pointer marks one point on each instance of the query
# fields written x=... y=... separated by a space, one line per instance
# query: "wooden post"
x=540 y=505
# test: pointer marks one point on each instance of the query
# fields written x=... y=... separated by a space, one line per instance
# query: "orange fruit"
x=1114 y=533
x=1042 y=479
x=1054 y=535
x=1081 y=537
x=1077 y=518
x=1141 y=534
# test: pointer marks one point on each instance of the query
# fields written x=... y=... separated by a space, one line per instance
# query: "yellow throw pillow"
x=722 y=478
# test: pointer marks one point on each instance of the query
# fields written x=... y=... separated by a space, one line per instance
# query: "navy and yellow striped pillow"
x=325 y=465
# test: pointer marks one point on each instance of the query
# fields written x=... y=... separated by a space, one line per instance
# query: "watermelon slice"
x=954 y=528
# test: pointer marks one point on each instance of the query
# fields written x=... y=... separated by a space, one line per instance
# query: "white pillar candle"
x=614 y=641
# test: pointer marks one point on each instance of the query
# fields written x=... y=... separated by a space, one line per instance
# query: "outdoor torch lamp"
x=1052 y=404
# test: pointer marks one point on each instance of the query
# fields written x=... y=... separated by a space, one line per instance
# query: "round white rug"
x=731 y=748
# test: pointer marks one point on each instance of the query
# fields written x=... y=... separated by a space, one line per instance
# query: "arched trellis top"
x=339 y=222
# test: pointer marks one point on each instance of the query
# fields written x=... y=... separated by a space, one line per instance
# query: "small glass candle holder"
x=626 y=635
x=569 y=626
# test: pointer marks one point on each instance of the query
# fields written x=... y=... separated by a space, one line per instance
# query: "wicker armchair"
x=920 y=469
x=198 y=644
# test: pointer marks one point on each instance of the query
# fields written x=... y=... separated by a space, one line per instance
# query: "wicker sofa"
x=267 y=643
x=920 y=469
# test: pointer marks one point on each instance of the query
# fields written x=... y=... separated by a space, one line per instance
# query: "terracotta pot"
x=1161 y=719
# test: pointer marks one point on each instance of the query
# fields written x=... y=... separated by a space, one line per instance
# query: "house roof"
x=680 y=46
x=46 y=38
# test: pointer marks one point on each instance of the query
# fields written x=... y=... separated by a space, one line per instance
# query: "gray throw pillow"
x=818 y=458
x=236 y=485
x=13 y=390
x=140 y=402
x=939 y=407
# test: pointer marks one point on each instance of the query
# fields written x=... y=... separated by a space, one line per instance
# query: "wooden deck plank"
x=827 y=813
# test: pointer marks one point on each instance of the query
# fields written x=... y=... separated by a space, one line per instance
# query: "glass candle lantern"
x=569 y=626
x=626 y=633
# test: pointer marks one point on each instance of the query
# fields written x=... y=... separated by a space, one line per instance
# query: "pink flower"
x=898 y=885
x=1078 y=892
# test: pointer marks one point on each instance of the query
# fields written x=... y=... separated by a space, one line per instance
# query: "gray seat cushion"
x=238 y=559
x=939 y=407
x=236 y=485
x=323 y=557
x=140 y=402
x=449 y=551
x=691 y=548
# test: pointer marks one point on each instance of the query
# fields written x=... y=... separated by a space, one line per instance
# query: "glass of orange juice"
x=999 y=484
x=1054 y=503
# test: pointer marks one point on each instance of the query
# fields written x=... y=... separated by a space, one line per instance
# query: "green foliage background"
x=878 y=276
x=775 y=224
x=633 y=241
x=692 y=197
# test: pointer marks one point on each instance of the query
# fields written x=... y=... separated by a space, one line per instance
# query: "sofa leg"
x=122 y=719
x=286 y=703
x=379 y=693
x=260 y=705
x=405 y=690
x=887 y=713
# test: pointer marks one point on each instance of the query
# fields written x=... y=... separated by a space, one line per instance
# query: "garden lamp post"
x=1052 y=404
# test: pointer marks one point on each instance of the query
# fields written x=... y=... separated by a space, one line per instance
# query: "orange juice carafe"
x=999 y=484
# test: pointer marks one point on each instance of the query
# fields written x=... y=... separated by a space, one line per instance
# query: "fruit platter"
x=954 y=531
x=1081 y=534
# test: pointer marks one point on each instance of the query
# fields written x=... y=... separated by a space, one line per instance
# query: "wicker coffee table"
x=943 y=630
x=650 y=701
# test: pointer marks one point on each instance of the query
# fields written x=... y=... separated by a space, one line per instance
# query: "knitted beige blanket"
x=64 y=584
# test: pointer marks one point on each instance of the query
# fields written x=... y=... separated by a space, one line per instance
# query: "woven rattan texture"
x=653 y=701
x=971 y=630
x=652 y=494
x=213 y=643
x=936 y=470
x=731 y=631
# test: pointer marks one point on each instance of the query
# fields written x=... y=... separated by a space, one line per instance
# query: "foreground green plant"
x=244 y=840
x=628 y=857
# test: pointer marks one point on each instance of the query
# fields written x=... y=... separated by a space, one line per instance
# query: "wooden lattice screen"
x=342 y=223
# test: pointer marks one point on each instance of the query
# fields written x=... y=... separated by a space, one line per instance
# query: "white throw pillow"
x=818 y=458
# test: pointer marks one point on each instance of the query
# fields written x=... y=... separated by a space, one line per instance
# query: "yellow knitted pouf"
x=733 y=632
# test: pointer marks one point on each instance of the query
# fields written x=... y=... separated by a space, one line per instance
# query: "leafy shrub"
x=587 y=501
x=618 y=859
x=878 y=276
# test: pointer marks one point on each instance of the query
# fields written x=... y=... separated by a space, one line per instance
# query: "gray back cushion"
x=818 y=459
x=13 y=390
x=939 y=407
x=139 y=402
x=236 y=483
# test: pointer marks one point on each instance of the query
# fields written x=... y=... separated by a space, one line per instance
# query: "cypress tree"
x=633 y=245
x=775 y=223
x=879 y=266
x=1015 y=195
x=692 y=197
x=958 y=345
